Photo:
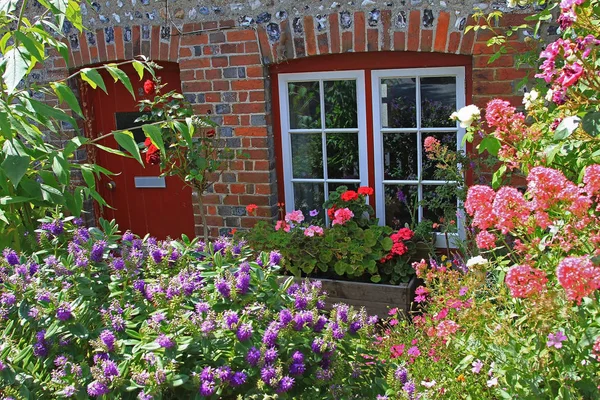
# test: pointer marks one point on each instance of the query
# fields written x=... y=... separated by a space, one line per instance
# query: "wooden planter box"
x=377 y=299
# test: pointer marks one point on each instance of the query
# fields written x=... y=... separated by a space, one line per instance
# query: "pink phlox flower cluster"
x=342 y=216
x=485 y=240
x=578 y=276
x=479 y=205
x=313 y=230
x=591 y=180
x=525 y=281
x=509 y=124
x=421 y=294
x=294 y=216
x=596 y=349
x=548 y=186
x=510 y=207
x=431 y=145
x=447 y=328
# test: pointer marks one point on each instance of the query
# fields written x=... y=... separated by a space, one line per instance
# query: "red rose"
x=349 y=195
x=251 y=208
x=365 y=191
x=147 y=142
x=210 y=133
x=149 y=86
x=153 y=155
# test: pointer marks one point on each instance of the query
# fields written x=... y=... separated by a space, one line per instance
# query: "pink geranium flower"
x=294 y=216
x=341 y=216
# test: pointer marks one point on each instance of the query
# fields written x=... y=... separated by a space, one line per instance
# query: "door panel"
x=160 y=211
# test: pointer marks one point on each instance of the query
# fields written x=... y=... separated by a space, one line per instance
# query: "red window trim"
x=366 y=62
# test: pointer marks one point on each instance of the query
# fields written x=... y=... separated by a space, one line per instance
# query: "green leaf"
x=16 y=161
x=126 y=141
x=139 y=67
x=566 y=128
x=119 y=75
x=94 y=78
x=155 y=134
x=16 y=66
x=8 y=6
x=60 y=167
x=66 y=95
x=112 y=151
x=591 y=123
x=73 y=14
x=35 y=48
x=387 y=243
x=497 y=177
x=491 y=144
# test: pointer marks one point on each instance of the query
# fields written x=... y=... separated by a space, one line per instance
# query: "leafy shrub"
x=93 y=313
x=354 y=246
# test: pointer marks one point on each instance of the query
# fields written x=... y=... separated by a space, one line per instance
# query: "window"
x=323 y=129
x=326 y=126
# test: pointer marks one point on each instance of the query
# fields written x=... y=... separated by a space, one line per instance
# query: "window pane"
x=440 y=205
x=429 y=166
x=400 y=156
x=305 y=109
x=342 y=156
x=308 y=196
x=400 y=203
x=438 y=101
x=126 y=120
x=340 y=104
x=350 y=185
x=398 y=103
x=307 y=155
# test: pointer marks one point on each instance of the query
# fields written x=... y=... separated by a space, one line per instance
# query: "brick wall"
x=224 y=72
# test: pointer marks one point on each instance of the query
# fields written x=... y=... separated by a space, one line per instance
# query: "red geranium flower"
x=149 y=86
x=365 y=191
x=251 y=208
x=331 y=212
x=349 y=195
x=403 y=234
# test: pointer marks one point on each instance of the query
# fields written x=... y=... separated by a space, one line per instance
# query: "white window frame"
x=376 y=77
x=286 y=142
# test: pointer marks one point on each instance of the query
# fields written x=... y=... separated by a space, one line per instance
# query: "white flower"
x=511 y=3
x=530 y=97
x=492 y=382
x=466 y=115
x=428 y=385
x=549 y=95
x=476 y=261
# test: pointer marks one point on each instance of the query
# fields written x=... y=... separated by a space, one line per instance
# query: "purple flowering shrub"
x=95 y=314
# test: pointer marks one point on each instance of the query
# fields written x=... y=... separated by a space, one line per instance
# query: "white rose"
x=466 y=115
x=530 y=97
x=476 y=261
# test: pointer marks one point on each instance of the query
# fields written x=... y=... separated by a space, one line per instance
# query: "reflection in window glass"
x=438 y=101
x=305 y=109
x=400 y=156
x=447 y=139
x=400 y=203
x=340 y=104
x=350 y=185
x=436 y=197
x=342 y=156
x=307 y=155
x=308 y=196
x=398 y=103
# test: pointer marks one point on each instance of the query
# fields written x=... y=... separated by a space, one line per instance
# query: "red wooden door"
x=141 y=200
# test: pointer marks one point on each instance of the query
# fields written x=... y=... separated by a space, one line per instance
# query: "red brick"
x=414 y=28
x=174 y=48
x=466 y=44
x=241 y=36
x=482 y=48
x=61 y=63
x=257 y=96
x=237 y=188
x=323 y=43
x=187 y=75
x=441 y=32
x=251 y=47
x=492 y=88
x=231 y=120
x=426 y=40
x=213 y=74
x=255 y=72
x=155 y=43
x=386 y=19
x=248 y=84
x=85 y=52
x=259 y=142
x=263 y=42
x=502 y=61
x=191 y=87
x=252 y=199
x=209 y=25
x=101 y=44
x=334 y=30
x=219 y=62
x=243 y=96
x=248 y=108
x=513 y=19
x=244 y=120
x=194 y=40
x=399 y=41
x=184 y=52
x=135 y=40
x=309 y=31
x=250 y=59
x=346 y=41
x=119 y=45
x=76 y=58
x=220 y=85
x=232 y=48
x=372 y=40
x=257 y=154
x=251 y=131
x=94 y=54
x=483 y=35
x=504 y=74
x=190 y=27
x=454 y=42
x=212 y=97
x=262 y=189
x=194 y=63
x=359 y=31
x=164 y=51
x=486 y=74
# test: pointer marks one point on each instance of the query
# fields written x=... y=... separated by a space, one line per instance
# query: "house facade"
x=313 y=95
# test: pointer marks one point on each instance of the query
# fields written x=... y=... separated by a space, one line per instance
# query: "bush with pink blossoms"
x=94 y=314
